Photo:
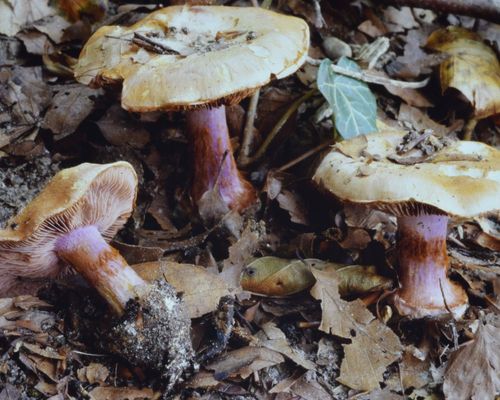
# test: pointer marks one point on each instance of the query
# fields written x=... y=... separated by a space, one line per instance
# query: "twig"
x=319 y=21
x=444 y=300
x=248 y=130
x=366 y=76
x=307 y=154
x=276 y=128
x=486 y=9
x=252 y=110
x=152 y=45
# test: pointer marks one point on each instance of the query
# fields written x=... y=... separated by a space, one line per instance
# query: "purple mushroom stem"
x=423 y=266
x=209 y=136
x=101 y=265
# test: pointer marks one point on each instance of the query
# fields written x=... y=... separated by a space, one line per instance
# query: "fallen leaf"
x=24 y=96
x=273 y=338
x=274 y=276
x=69 y=107
x=201 y=290
x=119 y=128
x=473 y=369
x=244 y=362
x=414 y=372
x=353 y=104
x=398 y=20
x=36 y=42
x=304 y=386
x=121 y=393
x=18 y=14
x=242 y=251
x=291 y=202
x=93 y=373
x=373 y=345
x=472 y=68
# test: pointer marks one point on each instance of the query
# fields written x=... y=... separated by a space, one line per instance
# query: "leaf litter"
x=348 y=343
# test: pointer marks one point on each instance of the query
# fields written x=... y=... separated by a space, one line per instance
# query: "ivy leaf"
x=354 y=106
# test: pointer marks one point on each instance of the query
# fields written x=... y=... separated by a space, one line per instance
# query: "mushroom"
x=69 y=223
x=198 y=59
x=460 y=179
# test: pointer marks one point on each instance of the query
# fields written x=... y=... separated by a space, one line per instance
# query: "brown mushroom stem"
x=209 y=135
x=101 y=265
x=425 y=289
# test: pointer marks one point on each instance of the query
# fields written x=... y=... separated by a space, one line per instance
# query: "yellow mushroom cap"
x=88 y=194
x=212 y=55
x=462 y=179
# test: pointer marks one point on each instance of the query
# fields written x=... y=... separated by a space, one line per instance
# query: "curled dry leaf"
x=18 y=14
x=472 y=68
x=70 y=106
x=473 y=369
x=271 y=337
x=373 y=345
x=273 y=276
x=24 y=96
x=244 y=362
x=123 y=393
x=201 y=290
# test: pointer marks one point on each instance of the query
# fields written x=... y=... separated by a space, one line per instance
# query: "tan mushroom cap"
x=462 y=179
x=89 y=194
x=219 y=55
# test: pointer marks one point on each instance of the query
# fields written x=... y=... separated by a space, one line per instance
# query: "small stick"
x=366 y=76
x=276 y=128
x=307 y=154
x=306 y=324
x=248 y=130
x=486 y=9
x=152 y=45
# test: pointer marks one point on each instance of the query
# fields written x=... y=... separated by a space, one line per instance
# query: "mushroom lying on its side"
x=69 y=224
x=460 y=180
x=198 y=59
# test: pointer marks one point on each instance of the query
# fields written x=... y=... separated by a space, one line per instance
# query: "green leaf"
x=354 y=106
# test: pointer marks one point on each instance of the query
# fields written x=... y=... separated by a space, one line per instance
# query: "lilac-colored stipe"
x=429 y=226
x=88 y=236
x=212 y=146
x=423 y=267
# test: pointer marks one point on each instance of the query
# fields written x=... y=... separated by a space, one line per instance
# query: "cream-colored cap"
x=462 y=179
x=183 y=57
x=89 y=194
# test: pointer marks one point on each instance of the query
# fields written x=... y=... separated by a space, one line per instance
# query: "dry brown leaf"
x=244 y=362
x=291 y=202
x=53 y=26
x=472 y=68
x=93 y=373
x=414 y=372
x=273 y=338
x=123 y=393
x=18 y=14
x=70 y=106
x=398 y=20
x=36 y=42
x=201 y=290
x=242 y=251
x=24 y=96
x=373 y=345
x=119 y=128
x=305 y=386
x=473 y=371
x=414 y=61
